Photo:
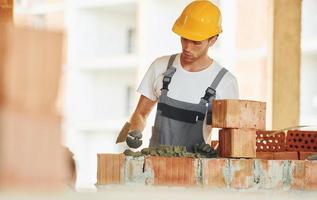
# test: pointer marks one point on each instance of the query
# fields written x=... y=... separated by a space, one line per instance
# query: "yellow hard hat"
x=199 y=21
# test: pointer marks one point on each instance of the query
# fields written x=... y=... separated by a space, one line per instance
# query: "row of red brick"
x=286 y=155
x=293 y=140
x=245 y=143
x=213 y=173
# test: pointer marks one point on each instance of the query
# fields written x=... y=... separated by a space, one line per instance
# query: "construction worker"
x=184 y=85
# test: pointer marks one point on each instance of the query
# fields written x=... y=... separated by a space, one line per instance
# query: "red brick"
x=181 y=171
x=191 y=168
x=6 y=14
x=31 y=156
x=291 y=155
x=303 y=155
x=110 y=168
x=242 y=173
x=237 y=143
x=6 y=3
x=265 y=155
x=270 y=143
x=3 y=2
x=34 y=87
x=238 y=114
x=301 y=140
x=169 y=170
x=10 y=2
x=213 y=172
x=172 y=170
x=310 y=175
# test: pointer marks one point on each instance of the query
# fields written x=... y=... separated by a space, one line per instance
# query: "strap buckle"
x=166 y=82
x=210 y=92
x=167 y=79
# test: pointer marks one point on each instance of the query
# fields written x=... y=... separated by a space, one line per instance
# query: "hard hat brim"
x=192 y=36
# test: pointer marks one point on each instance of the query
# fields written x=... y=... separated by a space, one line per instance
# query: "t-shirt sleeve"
x=230 y=88
x=147 y=85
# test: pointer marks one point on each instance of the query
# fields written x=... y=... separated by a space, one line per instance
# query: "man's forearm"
x=137 y=122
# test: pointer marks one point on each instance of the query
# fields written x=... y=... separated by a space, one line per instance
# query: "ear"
x=212 y=40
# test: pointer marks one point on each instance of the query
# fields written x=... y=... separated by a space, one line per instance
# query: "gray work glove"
x=206 y=150
x=134 y=139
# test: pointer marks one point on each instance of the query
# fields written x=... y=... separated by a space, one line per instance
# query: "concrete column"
x=6 y=11
x=285 y=32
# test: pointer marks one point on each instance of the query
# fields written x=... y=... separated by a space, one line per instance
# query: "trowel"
x=123 y=133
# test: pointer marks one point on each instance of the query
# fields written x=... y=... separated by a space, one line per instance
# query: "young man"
x=184 y=85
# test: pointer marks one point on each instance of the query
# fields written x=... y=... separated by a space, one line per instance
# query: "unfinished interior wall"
x=285 y=30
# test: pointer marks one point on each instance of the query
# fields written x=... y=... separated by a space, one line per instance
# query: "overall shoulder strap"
x=169 y=72
x=210 y=92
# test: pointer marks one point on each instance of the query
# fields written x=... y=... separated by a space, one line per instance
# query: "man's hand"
x=134 y=139
x=206 y=150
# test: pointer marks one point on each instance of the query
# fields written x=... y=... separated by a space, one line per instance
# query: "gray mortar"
x=227 y=174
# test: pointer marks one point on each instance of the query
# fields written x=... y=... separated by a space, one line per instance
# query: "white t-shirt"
x=187 y=86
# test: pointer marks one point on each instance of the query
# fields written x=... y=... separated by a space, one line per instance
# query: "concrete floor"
x=160 y=193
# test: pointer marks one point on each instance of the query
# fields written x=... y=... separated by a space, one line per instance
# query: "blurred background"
x=109 y=44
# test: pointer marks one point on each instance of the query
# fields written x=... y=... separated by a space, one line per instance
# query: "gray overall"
x=180 y=123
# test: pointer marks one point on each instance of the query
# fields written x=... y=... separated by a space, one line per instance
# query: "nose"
x=186 y=44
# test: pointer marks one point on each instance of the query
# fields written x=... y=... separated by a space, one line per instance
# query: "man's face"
x=193 y=50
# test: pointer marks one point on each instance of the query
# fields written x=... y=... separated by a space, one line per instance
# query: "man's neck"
x=198 y=65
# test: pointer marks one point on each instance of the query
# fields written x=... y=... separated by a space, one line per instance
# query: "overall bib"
x=180 y=123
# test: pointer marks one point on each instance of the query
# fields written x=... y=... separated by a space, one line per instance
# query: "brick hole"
x=300 y=140
x=308 y=147
x=309 y=135
x=315 y=148
x=302 y=146
x=312 y=141
x=315 y=136
x=296 y=146
x=261 y=147
x=298 y=135
x=273 y=147
x=278 y=147
x=294 y=140
x=303 y=135
x=270 y=141
x=291 y=134
x=261 y=135
x=291 y=146
x=276 y=141
x=267 y=147
x=264 y=142
x=267 y=135
x=306 y=142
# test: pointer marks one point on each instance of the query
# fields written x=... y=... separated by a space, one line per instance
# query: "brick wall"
x=210 y=173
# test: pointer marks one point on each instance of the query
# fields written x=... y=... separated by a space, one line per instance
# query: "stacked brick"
x=205 y=172
x=290 y=145
x=239 y=120
x=31 y=154
x=6 y=11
